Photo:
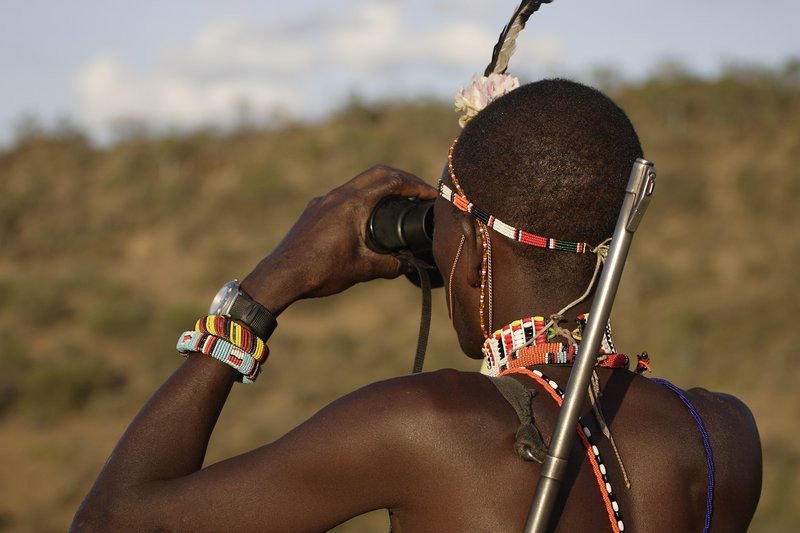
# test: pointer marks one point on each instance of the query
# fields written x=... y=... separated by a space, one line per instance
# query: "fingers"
x=407 y=184
x=383 y=180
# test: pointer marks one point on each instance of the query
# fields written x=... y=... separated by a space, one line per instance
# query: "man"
x=440 y=450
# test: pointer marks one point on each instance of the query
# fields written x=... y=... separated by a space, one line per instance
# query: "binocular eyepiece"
x=398 y=224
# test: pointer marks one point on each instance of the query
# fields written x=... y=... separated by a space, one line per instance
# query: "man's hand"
x=325 y=252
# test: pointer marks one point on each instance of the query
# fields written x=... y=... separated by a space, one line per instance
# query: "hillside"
x=106 y=254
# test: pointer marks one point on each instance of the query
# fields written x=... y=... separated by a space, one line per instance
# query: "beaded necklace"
x=525 y=342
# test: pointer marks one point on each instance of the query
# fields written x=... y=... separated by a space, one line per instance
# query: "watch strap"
x=254 y=315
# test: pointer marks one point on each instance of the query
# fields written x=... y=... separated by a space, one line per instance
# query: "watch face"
x=224 y=299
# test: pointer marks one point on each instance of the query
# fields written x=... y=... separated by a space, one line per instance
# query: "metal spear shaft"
x=637 y=196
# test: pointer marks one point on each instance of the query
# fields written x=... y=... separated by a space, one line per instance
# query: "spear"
x=637 y=196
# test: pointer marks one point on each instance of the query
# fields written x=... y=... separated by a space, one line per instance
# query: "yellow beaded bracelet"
x=235 y=333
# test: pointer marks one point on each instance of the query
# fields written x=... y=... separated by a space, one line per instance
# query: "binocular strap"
x=425 y=316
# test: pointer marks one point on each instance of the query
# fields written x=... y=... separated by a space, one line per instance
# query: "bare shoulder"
x=728 y=420
x=724 y=413
x=731 y=422
x=409 y=412
x=697 y=440
x=725 y=410
x=737 y=455
x=430 y=434
x=442 y=397
x=412 y=412
x=732 y=427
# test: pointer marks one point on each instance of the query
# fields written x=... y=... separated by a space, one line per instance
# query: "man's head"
x=551 y=158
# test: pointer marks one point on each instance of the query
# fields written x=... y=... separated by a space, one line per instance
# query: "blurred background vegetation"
x=107 y=253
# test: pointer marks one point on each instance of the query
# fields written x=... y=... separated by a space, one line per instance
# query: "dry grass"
x=106 y=254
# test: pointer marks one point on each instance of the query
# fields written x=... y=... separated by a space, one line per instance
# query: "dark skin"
x=436 y=449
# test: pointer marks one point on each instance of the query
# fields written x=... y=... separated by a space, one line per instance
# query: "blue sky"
x=184 y=63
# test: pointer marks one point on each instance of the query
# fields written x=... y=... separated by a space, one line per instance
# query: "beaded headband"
x=459 y=199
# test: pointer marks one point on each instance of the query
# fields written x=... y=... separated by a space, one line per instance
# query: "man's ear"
x=473 y=249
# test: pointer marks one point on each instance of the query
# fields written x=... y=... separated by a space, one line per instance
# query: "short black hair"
x=553 y=158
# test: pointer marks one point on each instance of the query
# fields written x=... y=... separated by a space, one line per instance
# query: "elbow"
x=87 y=520
x=103 y=511
x=95 y=514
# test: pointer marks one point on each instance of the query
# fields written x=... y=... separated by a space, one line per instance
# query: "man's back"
x=462 y=431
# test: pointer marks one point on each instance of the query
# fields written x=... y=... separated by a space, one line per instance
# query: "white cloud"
x=240 y=46
x=374 y=31
x=379 y=34
x=300 y=66
x=109 y=90
x=540 y=50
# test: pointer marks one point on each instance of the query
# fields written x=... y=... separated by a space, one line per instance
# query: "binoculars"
x=401 y=225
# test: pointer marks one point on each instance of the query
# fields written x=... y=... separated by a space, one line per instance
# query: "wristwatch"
x=233 y=302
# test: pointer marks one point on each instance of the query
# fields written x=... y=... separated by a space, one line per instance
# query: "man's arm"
x=153 y=477
x=340 y=463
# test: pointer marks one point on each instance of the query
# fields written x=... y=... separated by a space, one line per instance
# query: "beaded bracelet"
x=235 y=333
x=222 y=350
